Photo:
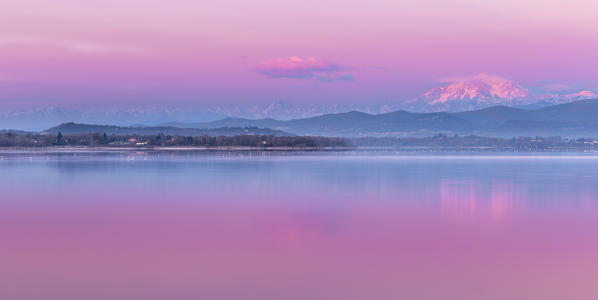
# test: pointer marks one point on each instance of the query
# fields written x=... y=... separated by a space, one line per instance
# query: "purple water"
x=241 y=225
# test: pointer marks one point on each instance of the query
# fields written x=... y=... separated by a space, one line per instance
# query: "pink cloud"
x=297 y=67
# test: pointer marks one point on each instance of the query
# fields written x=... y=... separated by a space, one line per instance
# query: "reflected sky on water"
x=253 y=225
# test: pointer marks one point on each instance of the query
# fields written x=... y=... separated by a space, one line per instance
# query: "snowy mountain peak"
x=584 y=94
x=481 y=86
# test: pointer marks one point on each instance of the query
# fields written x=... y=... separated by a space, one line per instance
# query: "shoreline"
x=414 y=149
x=166 y=148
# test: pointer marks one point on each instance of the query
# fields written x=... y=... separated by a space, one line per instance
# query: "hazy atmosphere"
x=298 y=149
x=115 y=54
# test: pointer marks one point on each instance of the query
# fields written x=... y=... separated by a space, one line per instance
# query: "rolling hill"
x=75 y=128
x=573 y=119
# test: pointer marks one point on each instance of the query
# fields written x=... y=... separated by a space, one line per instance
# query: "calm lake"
x=293 y=225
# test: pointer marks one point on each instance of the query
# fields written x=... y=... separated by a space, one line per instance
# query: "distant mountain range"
x=576 y=119
x=42 y=118
x=75 y=128
x=457 y=95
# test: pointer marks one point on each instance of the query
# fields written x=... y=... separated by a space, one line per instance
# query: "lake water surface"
x=319 y=225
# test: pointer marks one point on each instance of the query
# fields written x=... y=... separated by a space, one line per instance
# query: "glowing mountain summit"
x=479 y=87
x=472 y=93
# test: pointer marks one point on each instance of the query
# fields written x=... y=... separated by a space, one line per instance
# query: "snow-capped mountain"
x=554 y=99
x=471 y=93
x=479 y=87
x=482 y=91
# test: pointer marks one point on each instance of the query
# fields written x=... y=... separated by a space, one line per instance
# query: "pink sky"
x=102 y=53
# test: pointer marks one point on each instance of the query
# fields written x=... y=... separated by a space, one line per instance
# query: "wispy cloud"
x=346 y=77
x=79 y=46
x=297 y=67
x=326 y=78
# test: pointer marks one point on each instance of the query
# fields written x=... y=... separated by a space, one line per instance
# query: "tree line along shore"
x=15 y=139
x=23 y=139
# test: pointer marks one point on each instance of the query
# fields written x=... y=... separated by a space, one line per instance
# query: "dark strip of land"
x=473 y=143
x=16 y=139
x=162 y=141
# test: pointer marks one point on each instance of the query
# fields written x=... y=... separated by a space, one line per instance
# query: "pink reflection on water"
x=502 y=202
x=145 y=248
x=461 y=200
x=458 y=198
